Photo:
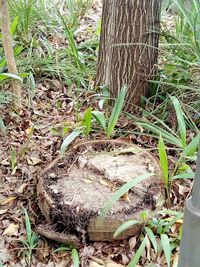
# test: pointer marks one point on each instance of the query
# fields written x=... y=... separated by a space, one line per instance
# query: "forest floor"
x=31 y=141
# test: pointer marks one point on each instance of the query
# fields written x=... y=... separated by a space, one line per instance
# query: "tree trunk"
x=128 y=47
x=8 y=50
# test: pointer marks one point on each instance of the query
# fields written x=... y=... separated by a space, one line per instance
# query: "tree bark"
x=128 y=47
x=8 y=50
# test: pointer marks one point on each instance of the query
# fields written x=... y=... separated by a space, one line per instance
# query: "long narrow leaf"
x=184 y=175
x=87 y=119
x=28 y=225
x=166 y=135
x=120 y=192
x=68 y=140
x=100 y=118
x=166 y=248
x=138 y=254
x=163 y=160
x=75 y=258
x=192 y=147
x=152 y=238
x=116 y=111
x=181 y=120
x=10 y=75
x=124 y=227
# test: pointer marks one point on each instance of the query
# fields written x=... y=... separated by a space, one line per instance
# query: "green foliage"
x=121 y=191
x=155 y=229
x=86 y=121
x=68 y=140
x=152 y=238
x=75 y=258
x=108 y=124
x=138 y=254
x=117 y=109
x=74 y=254
x=166 y=248
x=164 y=164
x=125 y=226
x=31 y=241
x=180 y=119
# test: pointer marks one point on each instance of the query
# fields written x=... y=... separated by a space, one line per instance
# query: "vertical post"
x=8 y=50
x=190 y=243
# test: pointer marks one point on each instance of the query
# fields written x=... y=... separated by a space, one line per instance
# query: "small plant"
x=122 y=191
x=110 y=123
x=31 y=241
x=153 y=229
x=74 y=254
x=164 y=165
x=107 y=124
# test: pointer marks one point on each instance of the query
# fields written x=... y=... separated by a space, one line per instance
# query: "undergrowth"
x=46 y=45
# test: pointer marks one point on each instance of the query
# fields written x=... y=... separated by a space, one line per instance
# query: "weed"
x=153 y=229
x=164 y=165
x=74 y=254
x=108 y=125
x=31 y=241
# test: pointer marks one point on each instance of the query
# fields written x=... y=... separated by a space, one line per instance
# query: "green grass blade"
x=28 y=226
x=138 y=254
x=184 y=12
x=120 y=192
x=166 y=135
x=166 y=248
x=116 y=111
x=75 y=258
x=63 y=248
x=181 y=120
x=86 y=121
x=192 y=147
x=163 y=161
x=152 y=238
x=4 y=76
x=68 y=140
x=184 y=175
x=100 y=118
x=124 y=227
x=172 y=222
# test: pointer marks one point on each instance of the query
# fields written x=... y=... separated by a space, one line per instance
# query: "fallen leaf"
x=88 y=181
x=33 y=160
x=11 y=230
x=3 y=211
x=7 y=200
x=94 y=264
x=5 y=162
x=125 y=197
x=20 y=190
x=105 y=183
x=132 y=243
x=110 y=263
x=30 y=130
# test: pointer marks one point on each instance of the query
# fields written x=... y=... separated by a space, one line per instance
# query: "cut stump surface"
x=72 y=190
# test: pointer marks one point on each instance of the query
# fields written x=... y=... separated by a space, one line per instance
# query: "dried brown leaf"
x=11 y=230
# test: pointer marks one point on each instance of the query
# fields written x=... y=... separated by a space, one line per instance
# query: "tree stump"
x=73 y=189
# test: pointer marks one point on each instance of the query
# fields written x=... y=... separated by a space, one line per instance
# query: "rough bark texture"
x=8 y=50
x=128 y=46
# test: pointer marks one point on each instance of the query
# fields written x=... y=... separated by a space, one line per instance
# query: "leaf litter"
x=36 y=135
